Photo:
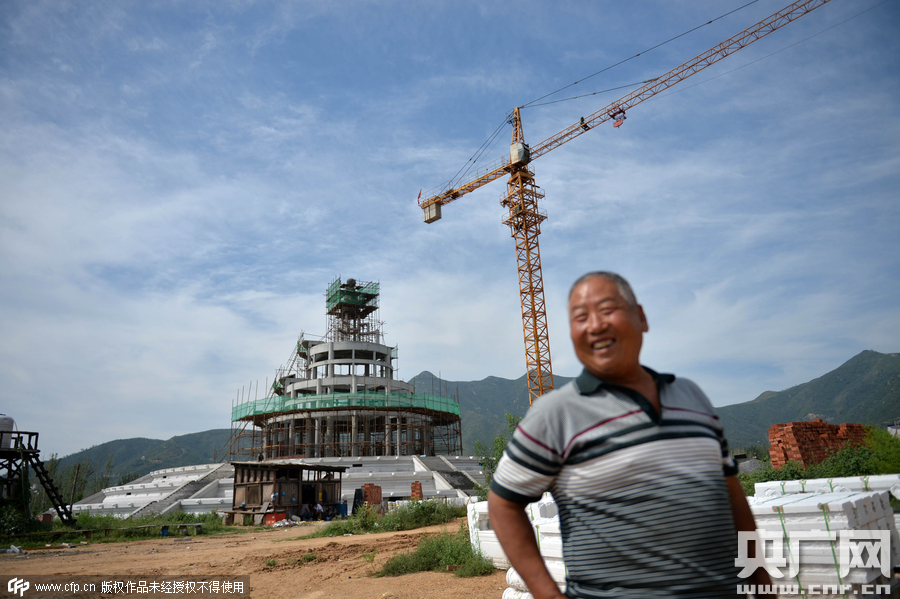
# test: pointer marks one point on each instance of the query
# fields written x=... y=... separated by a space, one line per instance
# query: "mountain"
x=483 y=404
x=138 y=456
x=865 y=389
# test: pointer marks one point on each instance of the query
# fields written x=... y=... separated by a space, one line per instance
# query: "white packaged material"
x=511 y=593
x=882 y=482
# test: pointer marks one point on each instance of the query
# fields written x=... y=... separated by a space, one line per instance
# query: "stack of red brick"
x=416 y=491
x=810 y=442
x=372 y=494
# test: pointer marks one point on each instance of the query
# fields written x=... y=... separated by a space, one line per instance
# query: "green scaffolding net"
x=365 y=296
x=330 y=401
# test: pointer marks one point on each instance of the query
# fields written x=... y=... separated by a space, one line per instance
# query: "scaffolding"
x=352 y=309
x=347 y=425
x=337 y=395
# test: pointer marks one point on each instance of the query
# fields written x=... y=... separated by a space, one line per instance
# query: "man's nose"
x=596 y=322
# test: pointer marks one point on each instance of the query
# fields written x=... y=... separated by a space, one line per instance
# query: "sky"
x=180 y=182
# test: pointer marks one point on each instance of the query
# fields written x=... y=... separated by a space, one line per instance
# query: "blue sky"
x=181 y=181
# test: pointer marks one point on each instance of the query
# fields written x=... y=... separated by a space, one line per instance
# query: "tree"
x=489 y=455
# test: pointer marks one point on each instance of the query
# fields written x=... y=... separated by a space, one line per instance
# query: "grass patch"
x=435 y=553
x=120 y=529
x=309 y=557
x=271 y=563
x=413 y=515
x=879 y=454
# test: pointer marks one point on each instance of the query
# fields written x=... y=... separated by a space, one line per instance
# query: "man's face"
x=606 y=330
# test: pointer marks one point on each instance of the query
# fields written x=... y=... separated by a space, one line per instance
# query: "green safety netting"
x=364 y=296
x=344 y=400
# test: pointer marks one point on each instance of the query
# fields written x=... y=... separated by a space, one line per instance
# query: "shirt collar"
x=588 y=383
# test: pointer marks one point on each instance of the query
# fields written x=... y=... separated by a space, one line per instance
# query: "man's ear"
x=645 y=326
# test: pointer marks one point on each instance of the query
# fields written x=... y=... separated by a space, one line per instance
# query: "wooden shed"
x=282 y=487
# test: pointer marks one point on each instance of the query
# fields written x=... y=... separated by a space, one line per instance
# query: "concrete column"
x=290 y=438
x=318 y=441
x=387 y=437
x=353 y=383
x=330 y=359
x=318 y=386
x=367 y=433
x=399 y=435
x=329 y=436
x=307 y=437
x=354 y=436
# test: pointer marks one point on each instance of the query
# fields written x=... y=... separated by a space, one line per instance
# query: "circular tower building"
x=338 y=396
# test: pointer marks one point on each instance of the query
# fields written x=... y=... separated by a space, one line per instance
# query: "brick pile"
x=416 y=491
x=372 y=494
x=810 y=442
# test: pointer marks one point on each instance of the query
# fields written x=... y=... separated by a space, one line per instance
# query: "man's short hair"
x=624 y=287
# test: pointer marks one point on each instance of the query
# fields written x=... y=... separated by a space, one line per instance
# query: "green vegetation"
x=489 y=455
x=120 y=529
x=309 y=557
x=416 y=514
x=131 y=458
x=271 y=563
x=15 y=520
x=759 y=451
x=879 y=454
x=436 y=553
x=75 y=480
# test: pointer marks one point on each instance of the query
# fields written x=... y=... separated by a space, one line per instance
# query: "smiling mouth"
x=603 y=344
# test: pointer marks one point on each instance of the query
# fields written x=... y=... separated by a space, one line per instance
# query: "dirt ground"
x=339 y=570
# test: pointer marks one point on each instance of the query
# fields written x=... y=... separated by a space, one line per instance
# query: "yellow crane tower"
x=522 y=194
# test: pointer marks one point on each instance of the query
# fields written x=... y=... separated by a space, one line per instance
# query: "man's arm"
x=514 y=531
x=743 y=520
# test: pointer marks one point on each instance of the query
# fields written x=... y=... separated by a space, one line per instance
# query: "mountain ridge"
x=835 y=397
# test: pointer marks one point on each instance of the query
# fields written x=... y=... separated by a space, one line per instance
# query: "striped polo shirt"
x=643 y=503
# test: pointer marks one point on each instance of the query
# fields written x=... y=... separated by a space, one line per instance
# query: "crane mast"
x=524 y=220
x=522 y=193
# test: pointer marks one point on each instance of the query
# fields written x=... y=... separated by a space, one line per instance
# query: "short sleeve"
x=729 y=466
x=532 y=458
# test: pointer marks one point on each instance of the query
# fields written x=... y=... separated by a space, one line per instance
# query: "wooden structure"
x=284 y=486
x=18 y=451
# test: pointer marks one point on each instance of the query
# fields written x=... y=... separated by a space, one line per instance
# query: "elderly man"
x=637 y=462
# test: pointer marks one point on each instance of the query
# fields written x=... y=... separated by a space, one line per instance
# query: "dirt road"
x=339 y=568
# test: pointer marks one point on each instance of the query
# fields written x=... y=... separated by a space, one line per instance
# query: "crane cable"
x=806 y=39
x=602 y=91
x=640 y=53
x=492 y=139
x=485 y=147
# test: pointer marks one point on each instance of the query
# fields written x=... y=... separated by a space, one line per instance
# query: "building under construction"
x=337 y=395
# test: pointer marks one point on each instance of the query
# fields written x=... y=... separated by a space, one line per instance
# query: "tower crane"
x=522 y=193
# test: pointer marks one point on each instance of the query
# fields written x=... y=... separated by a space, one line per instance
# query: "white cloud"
x=166 y=231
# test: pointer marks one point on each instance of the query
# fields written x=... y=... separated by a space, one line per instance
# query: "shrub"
x=879 y=454
x=437 y=552
x=416 y=514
